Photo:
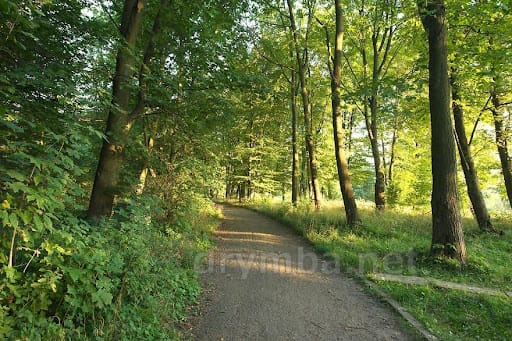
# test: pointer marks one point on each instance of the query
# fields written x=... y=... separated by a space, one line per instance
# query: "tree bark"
x=121 y=116
x=466 y=159
x=380 y=177
x=295 y=153
x=502 y=144
x=310 y=144
x=304 y=175
x=119 y=123
x=447 y=234
x=337 y=122
x=392 y=156
x=349 y=141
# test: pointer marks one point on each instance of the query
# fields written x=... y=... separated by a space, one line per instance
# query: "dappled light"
x=377 y=130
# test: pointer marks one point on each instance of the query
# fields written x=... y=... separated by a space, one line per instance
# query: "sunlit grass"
x=398 y=241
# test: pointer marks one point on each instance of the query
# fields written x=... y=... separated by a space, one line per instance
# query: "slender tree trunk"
x=149 y=141
x=348 y=141
x=502 y=144
x=447 y=235
x=380 y=177
x=337 y=122
x=249 y=185
x=295 y=153
x=119 y=122
x=468 y=166
x=381 y=41
x=392 y=155
x=304 y=177
x=310 y=144
x=229 y=188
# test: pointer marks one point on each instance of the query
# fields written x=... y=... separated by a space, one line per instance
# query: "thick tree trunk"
x=310 y=144
x=447 y=235
x=468 y=166
x=337 y=122
x=119 y=122
x=502 y=144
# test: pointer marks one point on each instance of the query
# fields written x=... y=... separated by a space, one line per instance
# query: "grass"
x=397 y=241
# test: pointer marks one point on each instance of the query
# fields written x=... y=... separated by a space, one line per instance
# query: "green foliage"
x=132 y=277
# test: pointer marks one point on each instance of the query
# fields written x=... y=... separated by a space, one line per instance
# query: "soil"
x=263 y=282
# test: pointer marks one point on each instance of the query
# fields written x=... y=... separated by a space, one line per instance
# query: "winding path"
x=263 y=282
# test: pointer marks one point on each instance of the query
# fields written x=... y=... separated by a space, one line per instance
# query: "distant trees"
x=302 y=54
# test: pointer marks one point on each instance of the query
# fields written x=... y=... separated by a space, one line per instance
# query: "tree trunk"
x=392 y=156
x=348 y=141
x=121 y=117
x=149 y=141
x=381 y=40
x=502 y=144
x=304 y=175
x=295 y=153
x=310 y=144
x=447 y=235
x=468 y=166
x=337 y=122
x=380 y=177
x=119 y=122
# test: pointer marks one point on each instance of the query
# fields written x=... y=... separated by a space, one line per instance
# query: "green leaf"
x=102 y=298
x=38 y=224
x=4 y=216
x=75 y=274
x=13 y=220
x=26 y=216
x=47 y=222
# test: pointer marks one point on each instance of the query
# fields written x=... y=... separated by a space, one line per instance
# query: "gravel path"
x=263 y=282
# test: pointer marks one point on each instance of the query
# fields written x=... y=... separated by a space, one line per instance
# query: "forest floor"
x=263 y=282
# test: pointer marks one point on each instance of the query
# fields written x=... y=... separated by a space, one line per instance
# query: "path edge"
x=413 y=322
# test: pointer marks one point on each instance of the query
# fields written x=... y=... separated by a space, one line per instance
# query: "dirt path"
x=263 y=282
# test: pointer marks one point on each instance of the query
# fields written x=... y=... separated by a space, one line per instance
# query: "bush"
x=129 y=278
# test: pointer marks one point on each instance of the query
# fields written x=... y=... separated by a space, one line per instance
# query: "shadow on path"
x=263 y=282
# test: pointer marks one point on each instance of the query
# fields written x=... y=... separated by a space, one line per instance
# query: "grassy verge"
x=397 y=241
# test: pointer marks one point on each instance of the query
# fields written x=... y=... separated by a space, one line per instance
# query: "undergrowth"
x=397 y=241
x=130 y=277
